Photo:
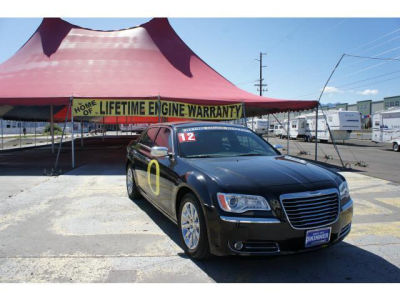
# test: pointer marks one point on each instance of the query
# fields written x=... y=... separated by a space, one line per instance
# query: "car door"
x=165 y=177
x=142 y=158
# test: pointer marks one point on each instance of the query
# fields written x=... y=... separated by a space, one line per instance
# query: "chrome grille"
x=311 y=209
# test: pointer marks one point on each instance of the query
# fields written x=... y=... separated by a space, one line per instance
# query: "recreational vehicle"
x=279 y=131
x=386 y=125
x=341 y=124
x=259 y=126
x=298 y=127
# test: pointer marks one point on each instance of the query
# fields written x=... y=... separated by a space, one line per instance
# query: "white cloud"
x=332 y=90
x=368 y=92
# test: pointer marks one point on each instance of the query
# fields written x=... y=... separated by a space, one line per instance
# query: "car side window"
x=164 y=138
x=149 y=137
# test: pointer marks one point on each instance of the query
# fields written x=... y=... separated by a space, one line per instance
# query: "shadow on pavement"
x=340 y=263
x=105 y=157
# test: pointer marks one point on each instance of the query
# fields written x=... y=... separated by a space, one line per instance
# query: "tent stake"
x=52 y=128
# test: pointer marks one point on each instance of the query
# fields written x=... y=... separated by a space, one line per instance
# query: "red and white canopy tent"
x=62 y=61
x=150 y=61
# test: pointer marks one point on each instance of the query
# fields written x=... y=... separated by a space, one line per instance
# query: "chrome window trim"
x=306 y=195
x=347 y=205
x=246 y=220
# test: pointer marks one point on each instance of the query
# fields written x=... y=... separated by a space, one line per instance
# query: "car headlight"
x=238 y=203
x=344 y=192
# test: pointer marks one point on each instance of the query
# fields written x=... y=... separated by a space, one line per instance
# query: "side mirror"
x=157 y=151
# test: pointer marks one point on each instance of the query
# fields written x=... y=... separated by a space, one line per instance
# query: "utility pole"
x=260 y=85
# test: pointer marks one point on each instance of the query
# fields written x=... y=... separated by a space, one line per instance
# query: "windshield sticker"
x=214 y=128
x=186 y=137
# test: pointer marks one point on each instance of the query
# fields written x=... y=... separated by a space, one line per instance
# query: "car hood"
x=236 y=173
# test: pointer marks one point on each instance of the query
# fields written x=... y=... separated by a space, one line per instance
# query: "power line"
x=387 y=59
x=375 y=55
x=377 y=39
x=378 y=58
x=366 y=79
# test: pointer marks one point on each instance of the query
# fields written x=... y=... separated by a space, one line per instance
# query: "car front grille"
x=311 y=209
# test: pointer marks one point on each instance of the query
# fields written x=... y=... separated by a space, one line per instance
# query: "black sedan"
x=230 y=192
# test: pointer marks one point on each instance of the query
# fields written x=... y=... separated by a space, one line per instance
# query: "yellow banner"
x=154 y=108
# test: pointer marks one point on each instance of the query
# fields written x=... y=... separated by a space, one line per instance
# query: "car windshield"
x=220 y=141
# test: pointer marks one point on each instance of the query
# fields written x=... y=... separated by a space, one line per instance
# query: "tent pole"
x=159 y=109
x=20 y=134
x=268 y=129
x=62 y=136
x=2 y=135
x=72 y=136
x=288 y=132
x=244 y=113
x=117 y=126
x=81 y=134
x=316 y=134
x=52 y=128
x=35 y=134
x=103 y=127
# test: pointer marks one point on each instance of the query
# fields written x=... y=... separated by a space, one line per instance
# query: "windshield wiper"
x=200 y=156
x=251 y=154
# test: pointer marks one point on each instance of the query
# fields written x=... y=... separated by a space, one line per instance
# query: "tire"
x=131 y=187
x=199 y=250
x=396 y=147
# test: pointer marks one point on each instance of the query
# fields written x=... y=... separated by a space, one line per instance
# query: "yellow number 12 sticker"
x=157 y=190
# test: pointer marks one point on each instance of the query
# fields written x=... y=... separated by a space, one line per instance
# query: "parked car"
x=396 y=145
x=231 y=192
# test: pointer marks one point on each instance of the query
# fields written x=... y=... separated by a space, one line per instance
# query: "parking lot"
x=364 y=156
x=81 y=227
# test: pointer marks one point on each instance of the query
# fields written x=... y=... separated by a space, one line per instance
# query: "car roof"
x=183 y=124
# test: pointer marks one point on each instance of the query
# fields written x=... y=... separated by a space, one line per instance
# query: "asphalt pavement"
x=366 y=157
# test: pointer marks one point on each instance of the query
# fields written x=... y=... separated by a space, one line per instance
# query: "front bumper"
x=268 y=236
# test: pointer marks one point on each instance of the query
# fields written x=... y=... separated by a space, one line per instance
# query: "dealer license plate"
x=318 y=236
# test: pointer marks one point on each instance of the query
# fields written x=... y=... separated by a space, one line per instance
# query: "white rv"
x=341 y=123
x=298 y=127
x=259 y=126
x=280 y=129
x=386 y=126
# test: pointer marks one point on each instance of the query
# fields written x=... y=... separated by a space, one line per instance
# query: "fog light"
x=238 y=245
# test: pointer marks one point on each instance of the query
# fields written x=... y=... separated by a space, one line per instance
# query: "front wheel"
x=192 y=228
x=396 y=147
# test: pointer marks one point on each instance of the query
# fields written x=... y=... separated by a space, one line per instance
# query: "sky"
x=301 y=52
